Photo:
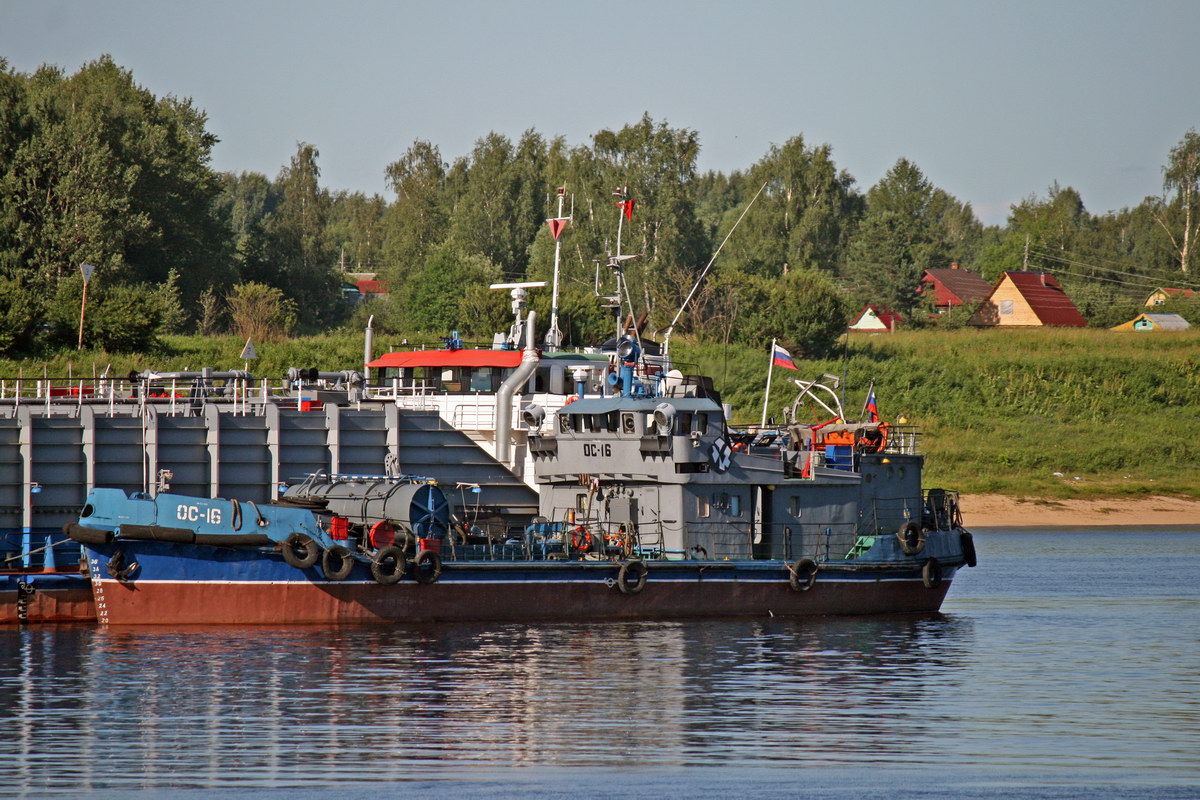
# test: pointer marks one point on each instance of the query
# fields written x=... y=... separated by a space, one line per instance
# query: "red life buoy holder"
x=581 y=539
x=383 y=534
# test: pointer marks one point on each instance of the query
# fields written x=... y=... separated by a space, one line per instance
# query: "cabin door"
x=763 y=537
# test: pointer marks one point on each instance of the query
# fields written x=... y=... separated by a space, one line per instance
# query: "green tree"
x=354 y=231
x=803 y=217
x=1181 y=175
x=418 y=221
x=120 y=317
x=909 y=226
x=260 y=313
x=95 y=169
x=433 y=300
x=296 y=243
x=500 y=206
x=244 y=205
x=22 y=308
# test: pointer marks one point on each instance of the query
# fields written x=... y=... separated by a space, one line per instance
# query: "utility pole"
x=87 y=270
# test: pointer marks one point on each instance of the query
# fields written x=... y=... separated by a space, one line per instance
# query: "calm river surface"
x=1066 y=665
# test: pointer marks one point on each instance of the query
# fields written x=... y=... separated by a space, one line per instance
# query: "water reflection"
x=116 y=708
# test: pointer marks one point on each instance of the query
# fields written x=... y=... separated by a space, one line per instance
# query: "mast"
x=553 y=334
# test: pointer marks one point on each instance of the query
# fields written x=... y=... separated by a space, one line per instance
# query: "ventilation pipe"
x=512 y=384
x=368 y=347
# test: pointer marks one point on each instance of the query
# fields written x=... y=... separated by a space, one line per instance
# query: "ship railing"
x=941 y=510
x=904 y=440
x=171 y=396
x=824 y=543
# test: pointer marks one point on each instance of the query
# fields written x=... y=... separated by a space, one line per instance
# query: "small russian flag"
x=782 y=358
x=872 y=409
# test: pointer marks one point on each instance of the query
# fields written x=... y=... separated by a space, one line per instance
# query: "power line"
x=1051 y=256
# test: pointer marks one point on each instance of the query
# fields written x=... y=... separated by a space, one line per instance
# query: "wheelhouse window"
x=483 y=379
x=683 y=423
x=703 y=507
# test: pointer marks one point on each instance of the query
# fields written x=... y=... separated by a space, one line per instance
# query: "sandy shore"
x=982 y=510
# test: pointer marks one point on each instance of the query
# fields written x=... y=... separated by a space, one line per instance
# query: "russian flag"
x=872 y=409
x=782 y=358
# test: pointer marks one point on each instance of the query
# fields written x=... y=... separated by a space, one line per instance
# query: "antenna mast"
x=666 y=349
x=554 y=335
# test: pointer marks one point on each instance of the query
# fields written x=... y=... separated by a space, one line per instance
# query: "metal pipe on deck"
x=528 y=365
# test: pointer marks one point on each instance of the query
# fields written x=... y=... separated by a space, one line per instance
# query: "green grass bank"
x=1001 y=411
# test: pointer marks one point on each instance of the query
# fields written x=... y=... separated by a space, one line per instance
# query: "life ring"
x=427 y=567
x=336 y=563
x=931 y=573
x=632 y=577
x=383 y=534
x=118 y=569
x=911 y=537
x=389 y=565
x=300 y=551
x=966 y=543
x=802 y=574
x=581 y=539
x=570 y=399
x=698 y=553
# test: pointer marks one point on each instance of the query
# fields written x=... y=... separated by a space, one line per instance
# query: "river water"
x=1066 y=665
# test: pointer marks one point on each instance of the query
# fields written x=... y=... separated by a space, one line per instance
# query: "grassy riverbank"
x=1001 y=411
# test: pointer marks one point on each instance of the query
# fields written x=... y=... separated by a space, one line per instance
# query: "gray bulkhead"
x=683 y=487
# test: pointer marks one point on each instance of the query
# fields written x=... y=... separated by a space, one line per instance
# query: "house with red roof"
x=372 y=287
x=1027 y=299
x=954 y=288
x=1165 y=293
x=874 y=319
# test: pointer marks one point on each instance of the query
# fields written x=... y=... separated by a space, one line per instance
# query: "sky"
x=993 y=101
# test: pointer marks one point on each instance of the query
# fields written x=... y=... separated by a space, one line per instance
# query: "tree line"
x=95 y=169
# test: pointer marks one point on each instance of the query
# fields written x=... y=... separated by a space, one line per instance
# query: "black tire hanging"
x=427 y=567
x=87 y=535
x=389 y=565
x=802 y=574
x=912 y=538
x=300 y=551
x=336 y=563
x=931 y=573
x=632 y=577
x=967 y=543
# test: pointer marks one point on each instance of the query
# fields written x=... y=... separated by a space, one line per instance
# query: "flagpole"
x=767 y=393
x=867 y=399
